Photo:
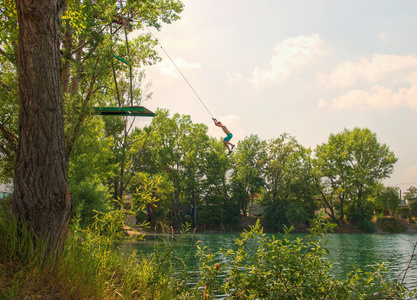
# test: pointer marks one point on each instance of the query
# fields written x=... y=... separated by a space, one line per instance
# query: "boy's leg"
x=226 y=143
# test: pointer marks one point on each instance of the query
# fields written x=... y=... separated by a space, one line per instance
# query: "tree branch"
x=81 y=116
x=409 y=263
x=10 y=138
x=8 y=88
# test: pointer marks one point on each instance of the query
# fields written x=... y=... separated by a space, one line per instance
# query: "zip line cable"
x=180 y=73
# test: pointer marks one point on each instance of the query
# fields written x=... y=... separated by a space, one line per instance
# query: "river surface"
x=346 y=250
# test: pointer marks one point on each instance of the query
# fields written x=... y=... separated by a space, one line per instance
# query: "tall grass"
x=21 y=262
x=89 y=268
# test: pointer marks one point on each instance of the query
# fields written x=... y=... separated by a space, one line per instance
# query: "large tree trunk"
x=41 y=197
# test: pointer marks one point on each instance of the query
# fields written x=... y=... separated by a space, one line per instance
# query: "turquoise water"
x=361 y=250
x=367 y=249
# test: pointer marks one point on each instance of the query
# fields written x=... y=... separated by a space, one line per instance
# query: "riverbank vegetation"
x=92 y=267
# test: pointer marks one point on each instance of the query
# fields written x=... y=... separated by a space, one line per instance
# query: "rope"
x=180 y=73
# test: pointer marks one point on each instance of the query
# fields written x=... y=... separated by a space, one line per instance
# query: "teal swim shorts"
x=228 y=137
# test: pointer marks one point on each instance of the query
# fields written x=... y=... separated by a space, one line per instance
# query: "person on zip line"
x=229 y=135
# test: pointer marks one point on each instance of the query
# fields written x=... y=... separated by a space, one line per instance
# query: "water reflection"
x=346 y=251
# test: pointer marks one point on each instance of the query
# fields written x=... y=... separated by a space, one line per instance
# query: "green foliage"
x=385 y=198
x=367 y=226
x=231 y=212
x=194 y=165
x=350 y=164
x=9 y=34
x=88 y=199
x=296 y=213
x=216 y=188
x=411 y=197
x=91 y=154
x=8 y=103
x=275 y=217
x=89 y=168
x=16 y=244
x=216 y=211
x=247 y=176
x=362 y=218
x=404 y=212
x=89 y=268
x=411 y=193
x=289 y=268
x=392 y=225
x=148 y=191
x=147 y=199
x=110 y=224
x=290 y=189
x=21 y=259
x=412 y=204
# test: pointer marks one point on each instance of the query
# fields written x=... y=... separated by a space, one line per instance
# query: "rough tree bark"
x=41 y=197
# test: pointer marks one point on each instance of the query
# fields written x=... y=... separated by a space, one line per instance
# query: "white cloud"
x=168 y=68
x=380 y=67
x=377 y=97
x=234 y=77
x=385 y=81
x=290 y=56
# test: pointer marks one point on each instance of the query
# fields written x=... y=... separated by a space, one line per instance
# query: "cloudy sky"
x=308 y=68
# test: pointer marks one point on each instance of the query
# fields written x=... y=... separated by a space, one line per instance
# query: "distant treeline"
x=177 y=174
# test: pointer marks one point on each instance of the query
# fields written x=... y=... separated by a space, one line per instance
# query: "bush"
x=404 y=212
x=276 y=217
x=390 y=225
x=289 y=268
x=363 y=218
x=88 y=199
x=367 y=226
x=412 y=205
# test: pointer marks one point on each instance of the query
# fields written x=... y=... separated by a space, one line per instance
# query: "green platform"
x=136 y=111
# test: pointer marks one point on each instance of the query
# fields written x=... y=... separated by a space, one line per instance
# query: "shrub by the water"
x=390 y=225
x=290 y=268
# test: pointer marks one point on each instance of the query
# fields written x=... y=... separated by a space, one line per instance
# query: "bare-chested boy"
x=229 y=135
